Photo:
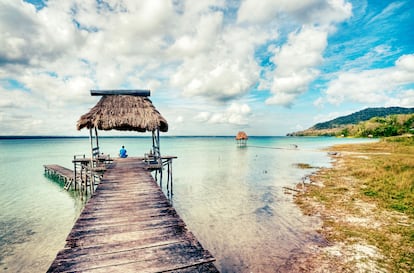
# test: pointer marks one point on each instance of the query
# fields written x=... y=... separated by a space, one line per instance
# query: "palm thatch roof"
x=124 y=113
x=241 y=135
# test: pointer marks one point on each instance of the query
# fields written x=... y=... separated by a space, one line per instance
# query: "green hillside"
x=362 y=115
x=371 y=122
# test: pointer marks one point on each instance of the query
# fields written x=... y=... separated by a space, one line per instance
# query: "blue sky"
x=214 y=67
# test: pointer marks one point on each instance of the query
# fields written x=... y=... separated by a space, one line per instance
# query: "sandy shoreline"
x=345 y=254
x=328 y=256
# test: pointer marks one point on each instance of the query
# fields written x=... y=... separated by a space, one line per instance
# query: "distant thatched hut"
x=241 y=138
x=124 y=110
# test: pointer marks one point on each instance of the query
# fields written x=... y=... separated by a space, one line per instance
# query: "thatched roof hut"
x=241 y=138
x=124 y=113
x=123 y=110
x=241 y=135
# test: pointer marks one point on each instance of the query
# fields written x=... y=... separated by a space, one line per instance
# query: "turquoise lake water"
x=231 y=198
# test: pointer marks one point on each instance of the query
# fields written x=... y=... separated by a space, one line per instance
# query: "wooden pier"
x=62 y=173
x=129 y=225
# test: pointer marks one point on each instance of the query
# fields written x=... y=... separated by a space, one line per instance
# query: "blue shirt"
x=123 y=153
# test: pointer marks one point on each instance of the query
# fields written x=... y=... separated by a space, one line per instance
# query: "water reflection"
x=234 y=202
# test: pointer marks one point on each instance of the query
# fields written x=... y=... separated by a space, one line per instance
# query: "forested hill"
x=370 y=122
x=362 y=115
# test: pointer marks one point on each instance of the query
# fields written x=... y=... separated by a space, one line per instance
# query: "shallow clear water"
x=231 y=198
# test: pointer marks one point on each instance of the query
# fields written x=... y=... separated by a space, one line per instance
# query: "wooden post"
x=171 y=174
x=96 y=136
x=91 y=165
x=156 y=143
x=168 y=174
x=153 y=142
x=160 y=170
x=91 y=141
x=74 y=170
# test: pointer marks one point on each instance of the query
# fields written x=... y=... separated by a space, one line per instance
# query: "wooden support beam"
x=131 y=92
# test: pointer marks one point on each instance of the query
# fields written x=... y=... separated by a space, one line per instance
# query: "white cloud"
x=373 y=86
x=237 y=114
x=25 y=38
x=17 y=100
x=366 y=61
x=179 y=119
x=319 y=12
x=199 y=40
x=22 y=112
x=296 y=61
x=205 y=58
x=224 y=72
x=406 y=64
x=387 y=12
x=405 y=99
x=73 y=46
x=202 y=116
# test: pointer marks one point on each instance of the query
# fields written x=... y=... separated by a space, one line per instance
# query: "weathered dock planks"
x=130 y=226
x=62 y=173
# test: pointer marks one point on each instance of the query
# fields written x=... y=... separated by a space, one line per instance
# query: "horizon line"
x=120 y=136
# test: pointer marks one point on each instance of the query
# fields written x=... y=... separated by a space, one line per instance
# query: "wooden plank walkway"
x=62 y=173
x=128 y=225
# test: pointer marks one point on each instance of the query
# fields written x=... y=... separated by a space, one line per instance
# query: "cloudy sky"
x=214 y=67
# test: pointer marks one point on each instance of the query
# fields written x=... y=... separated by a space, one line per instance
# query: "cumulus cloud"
x=36 y=38
x=373 y=86
x=199 y=40
x=296 y=62
x=223 y=72
x=237 y=114
x=406 y=99
x=217 y=53
x=116 y=41
x=118 y=38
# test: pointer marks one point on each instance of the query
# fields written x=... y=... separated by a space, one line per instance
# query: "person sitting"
x=123 y=152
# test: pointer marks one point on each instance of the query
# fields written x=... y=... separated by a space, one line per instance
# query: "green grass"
x=380 y=174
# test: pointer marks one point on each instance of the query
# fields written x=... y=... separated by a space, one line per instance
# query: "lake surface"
x=233 y=199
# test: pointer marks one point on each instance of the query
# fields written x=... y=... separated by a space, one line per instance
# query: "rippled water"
x=231 y=198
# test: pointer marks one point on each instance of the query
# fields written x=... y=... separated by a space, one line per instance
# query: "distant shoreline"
x=163 y=136
x=137 y=136
x=39 y=137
